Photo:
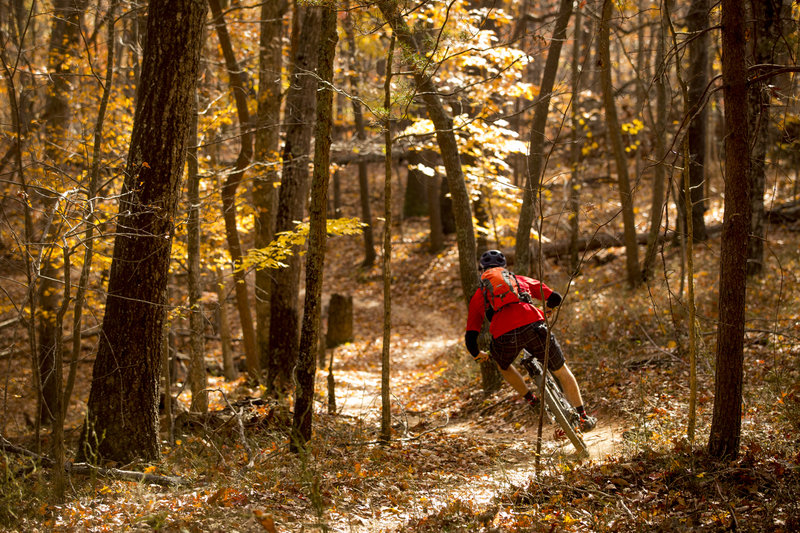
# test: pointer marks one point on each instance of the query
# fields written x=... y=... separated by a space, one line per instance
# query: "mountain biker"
x=517 y=326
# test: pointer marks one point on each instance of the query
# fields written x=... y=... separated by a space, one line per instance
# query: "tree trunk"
x=267 y=143
x=435 y=215
x=122 y=411
x=340 y=320
x=415 y=199
x=67 y=16
x=361 y=135
x=764 y=42
x=615 y=138
x=445 y=136
x=659 y=173
x=48 y=303
x=229 y=369
x=317 y=234
x=726 y=424
x=386 y=404
x=446 y=208
x=299 y=115
x=536 y=154
x=64 y=41
x=697 y=23
x=232 y=183
x=576 y=154
x=197 y=364
x=481 y=209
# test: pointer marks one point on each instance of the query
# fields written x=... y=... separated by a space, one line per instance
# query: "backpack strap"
x=488 y=310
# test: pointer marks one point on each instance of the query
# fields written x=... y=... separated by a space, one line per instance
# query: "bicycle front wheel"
x=554 y=400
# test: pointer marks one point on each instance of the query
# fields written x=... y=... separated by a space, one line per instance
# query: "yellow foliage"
x=273 y=255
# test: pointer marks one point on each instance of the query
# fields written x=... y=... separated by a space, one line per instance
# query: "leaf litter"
x=463 y=461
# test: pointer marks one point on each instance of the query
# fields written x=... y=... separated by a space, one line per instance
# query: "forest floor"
x=460 y=460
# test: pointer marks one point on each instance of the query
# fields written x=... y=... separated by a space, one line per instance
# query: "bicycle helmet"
x=492 y=258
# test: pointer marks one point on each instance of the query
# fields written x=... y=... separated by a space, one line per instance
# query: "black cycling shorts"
x=532 y=337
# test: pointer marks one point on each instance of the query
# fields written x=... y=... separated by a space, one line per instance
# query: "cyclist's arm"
x=471 y=342
x=554 y=300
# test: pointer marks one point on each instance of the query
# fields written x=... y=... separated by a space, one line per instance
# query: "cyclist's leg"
x=569 y=384
x=513 y=377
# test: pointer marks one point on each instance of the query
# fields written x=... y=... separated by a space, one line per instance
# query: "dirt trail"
x=416 y=348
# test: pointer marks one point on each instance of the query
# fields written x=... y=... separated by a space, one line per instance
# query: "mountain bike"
x=556 y=403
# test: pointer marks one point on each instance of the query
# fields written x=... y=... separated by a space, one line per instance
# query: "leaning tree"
x=122 y=413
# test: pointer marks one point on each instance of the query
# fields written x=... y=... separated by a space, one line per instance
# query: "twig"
x=126 y=475
x=87 y=469
x=250 y=456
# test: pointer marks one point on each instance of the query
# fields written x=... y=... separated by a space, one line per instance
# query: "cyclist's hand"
x=482 y=357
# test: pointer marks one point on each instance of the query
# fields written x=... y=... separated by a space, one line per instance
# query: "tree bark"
x=536 y=153
x=727 y=421
x=340 y=320
x=697 y=24
x=64 y=34
x=615 y=138
x=317 y=234
x=445 y=136
x=232 y=183
x=435 y=215
x=267 y=144
x=197 y=364
x=415 y=198
x=386 y=405
x=122 y=418
x=659 y=171
x=764 y=42
x=576 y=154
x=299 y=115
x=361 y=135
x=229 y=369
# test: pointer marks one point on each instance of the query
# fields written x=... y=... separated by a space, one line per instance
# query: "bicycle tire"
x=557 y=404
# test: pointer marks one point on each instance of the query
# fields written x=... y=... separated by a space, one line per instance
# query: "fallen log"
x=788 y=212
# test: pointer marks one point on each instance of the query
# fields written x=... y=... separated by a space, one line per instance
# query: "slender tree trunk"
x=726 y=424
x=232 y=183
x=317 y=235
x=122 y=411
x=18 y=127
x=299 y=114
x=88 y=218
x=523 y=259
x=417 y=202
x=361 y=135
x=64 y=33
x=64 y=42
x=697 y=23
x=576 y=154
x=659 y=173
x=763 y=43
x=482 y=217
x=689 y=222
x=197 y=364
x=445 y=136
x=386 y=404
x=435 y=214
x=615 y=137
x=229 y=369
x=267 y=144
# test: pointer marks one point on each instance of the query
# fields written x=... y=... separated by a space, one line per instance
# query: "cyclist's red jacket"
x=515 y=315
